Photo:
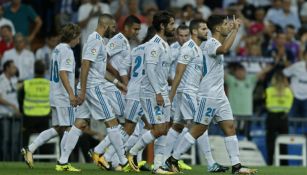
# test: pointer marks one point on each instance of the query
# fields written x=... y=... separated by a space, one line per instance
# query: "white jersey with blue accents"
x=191 y=55
x=212 y=84
x=137 y=72
x=62 y=59
x=175 y=51
x=157 y=52
x=118 y=48
x=95 y=51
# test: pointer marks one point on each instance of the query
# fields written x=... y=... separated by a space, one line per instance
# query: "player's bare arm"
x=180 y=68
x=85 y=67
x=72 y=98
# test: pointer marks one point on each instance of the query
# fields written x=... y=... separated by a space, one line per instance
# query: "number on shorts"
x=210 y=112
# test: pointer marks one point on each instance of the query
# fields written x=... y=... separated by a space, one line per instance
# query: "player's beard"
x=202 y=38
x=109 y=33
x=169 y=33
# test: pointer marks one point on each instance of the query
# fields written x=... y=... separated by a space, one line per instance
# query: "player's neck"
x=100 y=32
x=161 y=35
x=196 y=40
x=218 y=37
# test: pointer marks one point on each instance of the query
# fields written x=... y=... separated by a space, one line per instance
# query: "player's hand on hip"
x=160 y=100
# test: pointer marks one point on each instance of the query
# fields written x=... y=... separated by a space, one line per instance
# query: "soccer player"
x=154 y=90
x=62 y=95
x=118 y=48
x=133 y=111
x=92 y=97
x=214 y=104
x=188 y=75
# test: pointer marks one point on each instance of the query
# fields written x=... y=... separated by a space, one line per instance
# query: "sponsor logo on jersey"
x=93 y=51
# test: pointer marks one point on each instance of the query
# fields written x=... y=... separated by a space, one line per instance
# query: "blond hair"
x=69 y=32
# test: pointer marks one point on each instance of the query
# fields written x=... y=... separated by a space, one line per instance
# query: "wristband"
x=115 y=81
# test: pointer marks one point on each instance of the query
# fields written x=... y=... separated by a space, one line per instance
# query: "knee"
x=81 y=124
x=177 y=127
x=230 y=129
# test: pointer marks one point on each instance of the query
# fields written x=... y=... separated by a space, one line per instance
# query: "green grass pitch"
x=19 y=168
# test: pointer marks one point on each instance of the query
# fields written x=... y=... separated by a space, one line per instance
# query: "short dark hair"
x=130 y=20
x=52 y=34
x=7 y=26
x=194 y=24
x=162 y=17
x=103 y=17
x=215 y=20
x=182 y=27
x=7 y=64
x=39 y=67
x=151 y=31
x=69 y=32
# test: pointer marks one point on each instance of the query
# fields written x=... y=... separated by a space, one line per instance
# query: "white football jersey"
x=118 y=48
x=175 y=51
x=62 y=59
x=95 y=51
x=191 y=55
x=157 y=52
x=137 y=72
x=212 y=84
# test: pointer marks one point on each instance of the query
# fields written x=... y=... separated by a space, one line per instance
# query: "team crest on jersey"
x=112 y=45
x=93 y=51
x=186 y=57
x=154 y=54
x=68 y=61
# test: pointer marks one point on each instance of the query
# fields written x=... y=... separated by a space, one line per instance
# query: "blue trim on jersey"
x=200 y=110
x=102 y=102
x=120 y=36
x=150 y=113
x=191 y=44
x=191 y=104
x=97 y=37
x=120 y=102
x=205 y=70
x=133 y=111
x=157 y=40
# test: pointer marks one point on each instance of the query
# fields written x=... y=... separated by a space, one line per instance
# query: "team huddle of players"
x=168 y=94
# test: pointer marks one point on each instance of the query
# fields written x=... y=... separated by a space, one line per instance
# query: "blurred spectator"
x=240 y=87
x=292 y=44
x=273 y=11
x=22 y=16
x=133 y=9
x=4 y=21
x=303 y=14
x=22 y=57
x=66 y=12
x=298 y=77
x=286 y=16
x=246 y=8
x=281 y=54
x=88 y=15
x=8 y=89
x=7 y=39
x=181 y=3
x=278 y=100
x=44 y=53
x=203 y=9
x=186 y=15
x=34 y=98
x=149 y=13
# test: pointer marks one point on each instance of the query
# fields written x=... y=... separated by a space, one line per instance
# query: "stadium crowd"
x=270 y=50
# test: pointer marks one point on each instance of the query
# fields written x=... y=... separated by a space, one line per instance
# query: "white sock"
x=186 y=143
x=142 y=143
x=171 y=138
x=109 y=154
x=180 y=137
x=114 y=135
x=140 y=155
x=159 y=150
x=71 y=141
x=115 y=161
x=102 y=146
x=131 y=142
x=63 y=141
x=42 y=138
x=204 y=145
x=232 y=147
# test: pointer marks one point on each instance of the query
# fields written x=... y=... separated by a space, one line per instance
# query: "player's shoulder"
x=212 y=41
x=188 y=46
x=175 y=45
x=138 y=48
x=94 y=37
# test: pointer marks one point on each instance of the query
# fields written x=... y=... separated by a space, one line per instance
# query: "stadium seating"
x=55 y=141
x=290 y=140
